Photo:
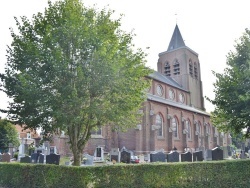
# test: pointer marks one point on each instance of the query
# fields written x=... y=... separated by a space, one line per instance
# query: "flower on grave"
x=84 y=159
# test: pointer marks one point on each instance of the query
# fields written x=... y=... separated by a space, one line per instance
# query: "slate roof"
x=176 y=40
x=166 y=79
x=175 y=104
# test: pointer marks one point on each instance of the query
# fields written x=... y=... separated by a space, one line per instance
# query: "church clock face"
x=159 y=90
x=181 y=98
x=171 y=94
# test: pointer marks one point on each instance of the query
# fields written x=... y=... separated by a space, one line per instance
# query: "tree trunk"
x=77 y=156
x=77 y=143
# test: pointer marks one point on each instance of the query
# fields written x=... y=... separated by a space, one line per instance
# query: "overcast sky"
x=210 y=28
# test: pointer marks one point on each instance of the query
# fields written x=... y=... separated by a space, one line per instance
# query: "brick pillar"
x=184 y=135
x=170 y=135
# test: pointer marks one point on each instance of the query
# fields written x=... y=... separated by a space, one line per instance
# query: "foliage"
x=73 y=68
x=8 y=134
x=232 y=91
x=228 y=173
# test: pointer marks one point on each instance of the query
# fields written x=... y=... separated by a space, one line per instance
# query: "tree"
x=73 y=69
x=8 y=135
x=232 y=91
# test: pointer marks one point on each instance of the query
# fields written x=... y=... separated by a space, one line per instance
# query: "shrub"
x=228 y=173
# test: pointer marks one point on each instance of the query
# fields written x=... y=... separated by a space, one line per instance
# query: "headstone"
x=40 y=158
x=242 y=155
x=26 y=159
x=53 y=159
x=187 y=156
x=99 y=154
x=125 y=156
x=225 y=152
x=6 y=157
x=52 y=150
x=34 y=157
x=246 y=149
x=197 y=156
x=89 y=159
x=217 y=154
x=67 y=163
x=230 y=151
x=141 y=158
x=1 y=156
x=115 y=154
x=147 y=157
x=208 y=155
x=157 y=157
x=173 y=156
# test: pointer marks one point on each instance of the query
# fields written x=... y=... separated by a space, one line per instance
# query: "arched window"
x=175 y=127
x=97 y=131
x=195 y=71
x=188 y=128
x=191 y=68
x=158 y=123
x=198 y=129
x=167 y=69
x=209 y=131
x=176 y=67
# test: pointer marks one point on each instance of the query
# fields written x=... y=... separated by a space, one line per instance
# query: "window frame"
x=159 y=121
x=175 y=127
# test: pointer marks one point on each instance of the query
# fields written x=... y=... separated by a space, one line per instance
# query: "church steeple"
x=176 y=40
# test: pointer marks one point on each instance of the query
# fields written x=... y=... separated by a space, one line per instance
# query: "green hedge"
x=229 y=173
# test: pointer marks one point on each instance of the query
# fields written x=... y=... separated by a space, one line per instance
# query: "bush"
x=16 y=155
x=228 y=173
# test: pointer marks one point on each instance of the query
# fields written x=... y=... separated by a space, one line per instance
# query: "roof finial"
x=176 y=18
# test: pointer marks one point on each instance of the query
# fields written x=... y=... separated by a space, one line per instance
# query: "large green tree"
x=8 y=135
x=72 y=68
x=232 y=90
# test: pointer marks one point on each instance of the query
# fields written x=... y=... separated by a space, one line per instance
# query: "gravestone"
x=242 y=155
x=230 y=153
x=125 y=156
x=208 y=155
x=173 y=156
x=141 y=158
x=52 y=149
x=225 y=152
x=53 y=159
x=40 y=158
x=99 y=154
x=6 y=157
x=67 y=163
x=26 y=159
x=147 y=157
x=187 y=156
x=115 y=154
x=34 y=157
x=198 y=156
x=157 y=157
x=217 y=154
x=89 y=159
x=1 y=156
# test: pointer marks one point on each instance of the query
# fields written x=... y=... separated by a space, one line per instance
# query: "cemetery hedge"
x=227 y=173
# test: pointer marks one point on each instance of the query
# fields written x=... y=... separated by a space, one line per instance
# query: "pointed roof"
x=176 y=40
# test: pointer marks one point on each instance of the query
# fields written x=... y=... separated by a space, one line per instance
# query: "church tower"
x=182 y=64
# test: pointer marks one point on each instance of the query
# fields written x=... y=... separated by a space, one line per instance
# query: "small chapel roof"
x=176 y=40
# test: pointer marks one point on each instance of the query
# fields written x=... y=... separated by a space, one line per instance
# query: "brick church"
x=173 y=116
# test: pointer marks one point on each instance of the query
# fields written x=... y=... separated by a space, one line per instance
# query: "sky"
x=210 y=28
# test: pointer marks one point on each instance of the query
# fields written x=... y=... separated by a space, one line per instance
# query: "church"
x=173 y=116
